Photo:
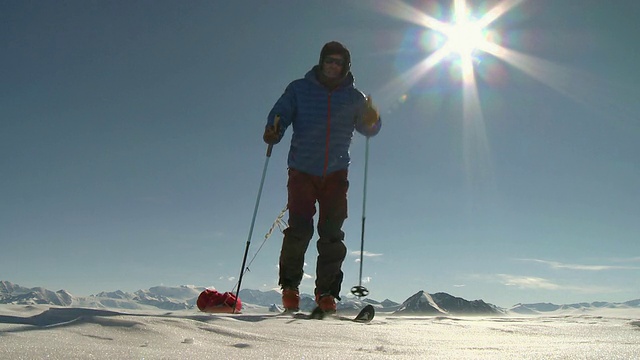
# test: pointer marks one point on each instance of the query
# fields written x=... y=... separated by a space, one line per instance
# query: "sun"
x=459 y=43
x=467 y=35
x=464 y=36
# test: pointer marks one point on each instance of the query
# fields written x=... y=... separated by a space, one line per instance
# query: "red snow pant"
x=330 y=192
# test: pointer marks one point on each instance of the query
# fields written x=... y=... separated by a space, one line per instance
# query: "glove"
x=371 y=115
x=271 y=135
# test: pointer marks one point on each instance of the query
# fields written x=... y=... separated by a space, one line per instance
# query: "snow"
x=43 y=331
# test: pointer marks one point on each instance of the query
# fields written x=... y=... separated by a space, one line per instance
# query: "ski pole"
x=361 y=291
x=255 y=212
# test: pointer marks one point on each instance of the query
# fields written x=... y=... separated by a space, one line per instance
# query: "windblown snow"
x=38 y=332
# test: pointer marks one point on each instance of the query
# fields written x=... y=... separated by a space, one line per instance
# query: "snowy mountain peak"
x=460 y=306
x=443 y=303
x=118 y=294
x=15 y=294
x=420 y=303
x=7 y=287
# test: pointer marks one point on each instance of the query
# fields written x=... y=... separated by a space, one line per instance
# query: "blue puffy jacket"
x=323 y=123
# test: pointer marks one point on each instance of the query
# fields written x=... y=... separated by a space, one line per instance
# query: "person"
x=323 y=108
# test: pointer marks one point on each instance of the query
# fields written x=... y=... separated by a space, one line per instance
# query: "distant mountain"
x=632 y=303
x=184 y=297
x=389 y=304
x=169 y=298
x=423 y=303
x=532 y=309
x=160 y=297
x=257 y=297
x=459 y=306
x=166 y=298
x=15 y=294
x=541 y=308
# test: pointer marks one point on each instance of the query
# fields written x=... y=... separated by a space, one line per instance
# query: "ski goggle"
x=330 y=60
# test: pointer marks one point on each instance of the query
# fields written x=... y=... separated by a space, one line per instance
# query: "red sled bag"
x=211 y=301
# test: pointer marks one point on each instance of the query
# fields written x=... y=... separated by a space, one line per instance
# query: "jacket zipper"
x=326 y=151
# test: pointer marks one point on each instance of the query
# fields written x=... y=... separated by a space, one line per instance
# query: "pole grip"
x=276 y=120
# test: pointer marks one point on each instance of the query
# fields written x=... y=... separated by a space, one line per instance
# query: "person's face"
x=332 y=66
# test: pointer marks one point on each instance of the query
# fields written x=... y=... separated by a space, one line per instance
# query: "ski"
x=364 y=316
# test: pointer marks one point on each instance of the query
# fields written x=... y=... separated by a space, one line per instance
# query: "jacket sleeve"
x=286 y=108
x=361 y=127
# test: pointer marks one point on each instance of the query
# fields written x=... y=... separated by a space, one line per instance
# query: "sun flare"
x=464 y=38
x=464 y=34
x=460 y=42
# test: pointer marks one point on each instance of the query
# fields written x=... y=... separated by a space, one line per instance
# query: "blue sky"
x=131 y=150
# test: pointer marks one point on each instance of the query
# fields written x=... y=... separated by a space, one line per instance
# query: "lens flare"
x=468 y=45
x=461 y=43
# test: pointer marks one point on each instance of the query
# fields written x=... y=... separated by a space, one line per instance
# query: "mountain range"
x=185 y=297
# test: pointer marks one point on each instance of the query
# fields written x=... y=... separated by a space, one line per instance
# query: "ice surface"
x=38 y=332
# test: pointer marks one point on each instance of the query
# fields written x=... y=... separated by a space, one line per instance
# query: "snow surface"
x=42 y=331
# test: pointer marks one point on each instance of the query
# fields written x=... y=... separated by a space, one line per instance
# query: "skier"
x=324 y=108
